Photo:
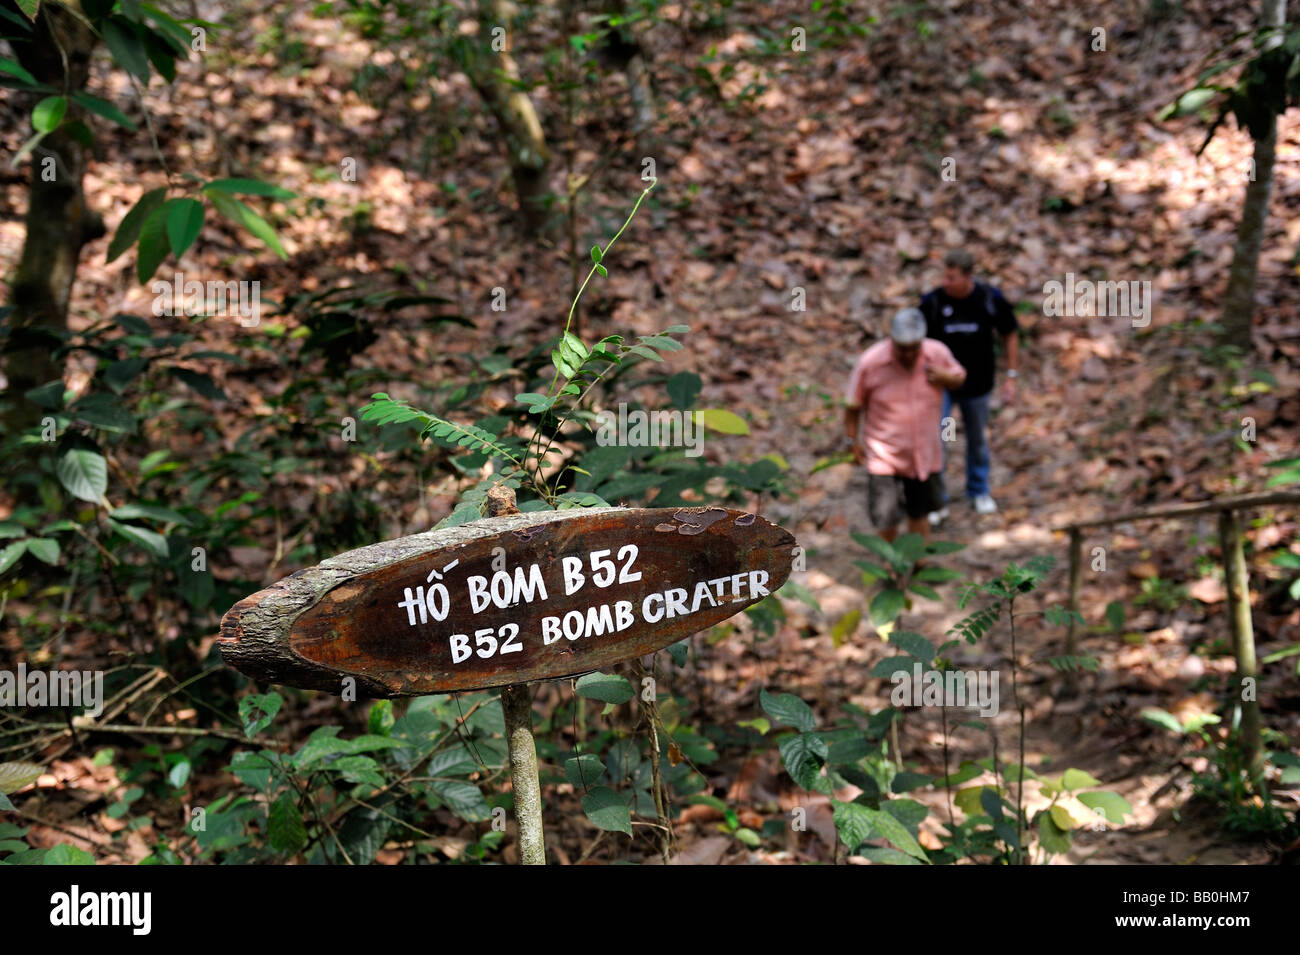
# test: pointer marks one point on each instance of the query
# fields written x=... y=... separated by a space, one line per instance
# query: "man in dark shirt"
x=964 y=314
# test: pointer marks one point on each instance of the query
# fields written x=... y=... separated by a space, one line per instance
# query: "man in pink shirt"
x=894 y=400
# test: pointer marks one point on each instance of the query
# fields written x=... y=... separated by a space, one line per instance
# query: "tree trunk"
x=495 y=75
x=1245 y=692
x=58 y=221
x=1239 y=299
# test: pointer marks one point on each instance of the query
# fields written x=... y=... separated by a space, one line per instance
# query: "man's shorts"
x=890 y=497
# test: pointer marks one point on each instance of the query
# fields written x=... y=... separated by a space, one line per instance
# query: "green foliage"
x=1164 y=595
x=907 y=568
x=1228 y=783
x=993 y=827
x=1267 y=85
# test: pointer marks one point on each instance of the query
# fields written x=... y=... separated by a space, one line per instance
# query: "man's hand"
x=941 y=378
x=1009 y=391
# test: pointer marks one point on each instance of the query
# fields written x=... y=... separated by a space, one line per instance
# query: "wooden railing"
x=1236 y=582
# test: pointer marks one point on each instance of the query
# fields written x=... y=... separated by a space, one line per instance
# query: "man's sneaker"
x=984 y=504
x=938 y=517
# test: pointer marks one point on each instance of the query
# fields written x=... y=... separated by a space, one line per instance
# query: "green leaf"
x=184 y=222
x=787 y=709
x=14 y=776
x=845 y=627
x=758 y=724
x=595 y=254
x=1077 y=779
x=1115 y=615
x=877 y=545
x=237 y=212
x=804 y=754
x=855 y=821
x=324 y=743
x=1282 y=654
x=940 y=548
x=256 y=712
x=463 y=798
x=104 y=411
x=9 y=556
x=102 y=107
x=607 y=810
x=15 y=69
x=683 y=388
x=1052 y=838
x=179 y=774
x=971 y=799
x=1291 y=476
x=887 y=667
x=48 y=113
x=887 y=605
x=936 y=575
x=83 y=474
x=1114 y=806
x=125 y=45
x=576 y=345
x=1193 y=100
x=1162 y=718
x=153 y=512
x=601 y=269
x=723 y=421
x=584 y=771
x=153 y=245
x=26 y=147
x=645 y=352
x=200 y=382
x=252 y=769
x=64 y=854
x=151 y=541
x=133 y=222
x=908 y=548
x=285 y=831
x=913 y=643
x=44 y=548
x=606 y=687
x=249 y=187
x=906 y=782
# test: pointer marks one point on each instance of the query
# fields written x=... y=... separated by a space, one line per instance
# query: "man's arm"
x=1009 y=327
x=1010 y=388
x=944 y=370
x=852 y=415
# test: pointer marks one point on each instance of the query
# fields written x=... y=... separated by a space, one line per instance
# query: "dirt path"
x=1099 y=730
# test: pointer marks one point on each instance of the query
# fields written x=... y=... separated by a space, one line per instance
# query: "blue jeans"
x=974 y=418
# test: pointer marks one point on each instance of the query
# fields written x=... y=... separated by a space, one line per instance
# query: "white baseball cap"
x=908 y=326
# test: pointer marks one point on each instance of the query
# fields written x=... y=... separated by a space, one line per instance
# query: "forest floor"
x=828 y=178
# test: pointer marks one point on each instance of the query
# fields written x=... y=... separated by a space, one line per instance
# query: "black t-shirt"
x=966 y=326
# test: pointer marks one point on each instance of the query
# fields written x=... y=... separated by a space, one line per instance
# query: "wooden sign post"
x=504 y=601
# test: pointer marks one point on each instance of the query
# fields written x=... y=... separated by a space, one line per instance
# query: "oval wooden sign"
x=506 y=599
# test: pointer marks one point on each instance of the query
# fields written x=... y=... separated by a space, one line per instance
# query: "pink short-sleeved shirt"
x=899 y=426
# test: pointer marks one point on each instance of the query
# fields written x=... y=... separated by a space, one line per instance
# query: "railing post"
x=1243 y=639
x=1076 y=576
